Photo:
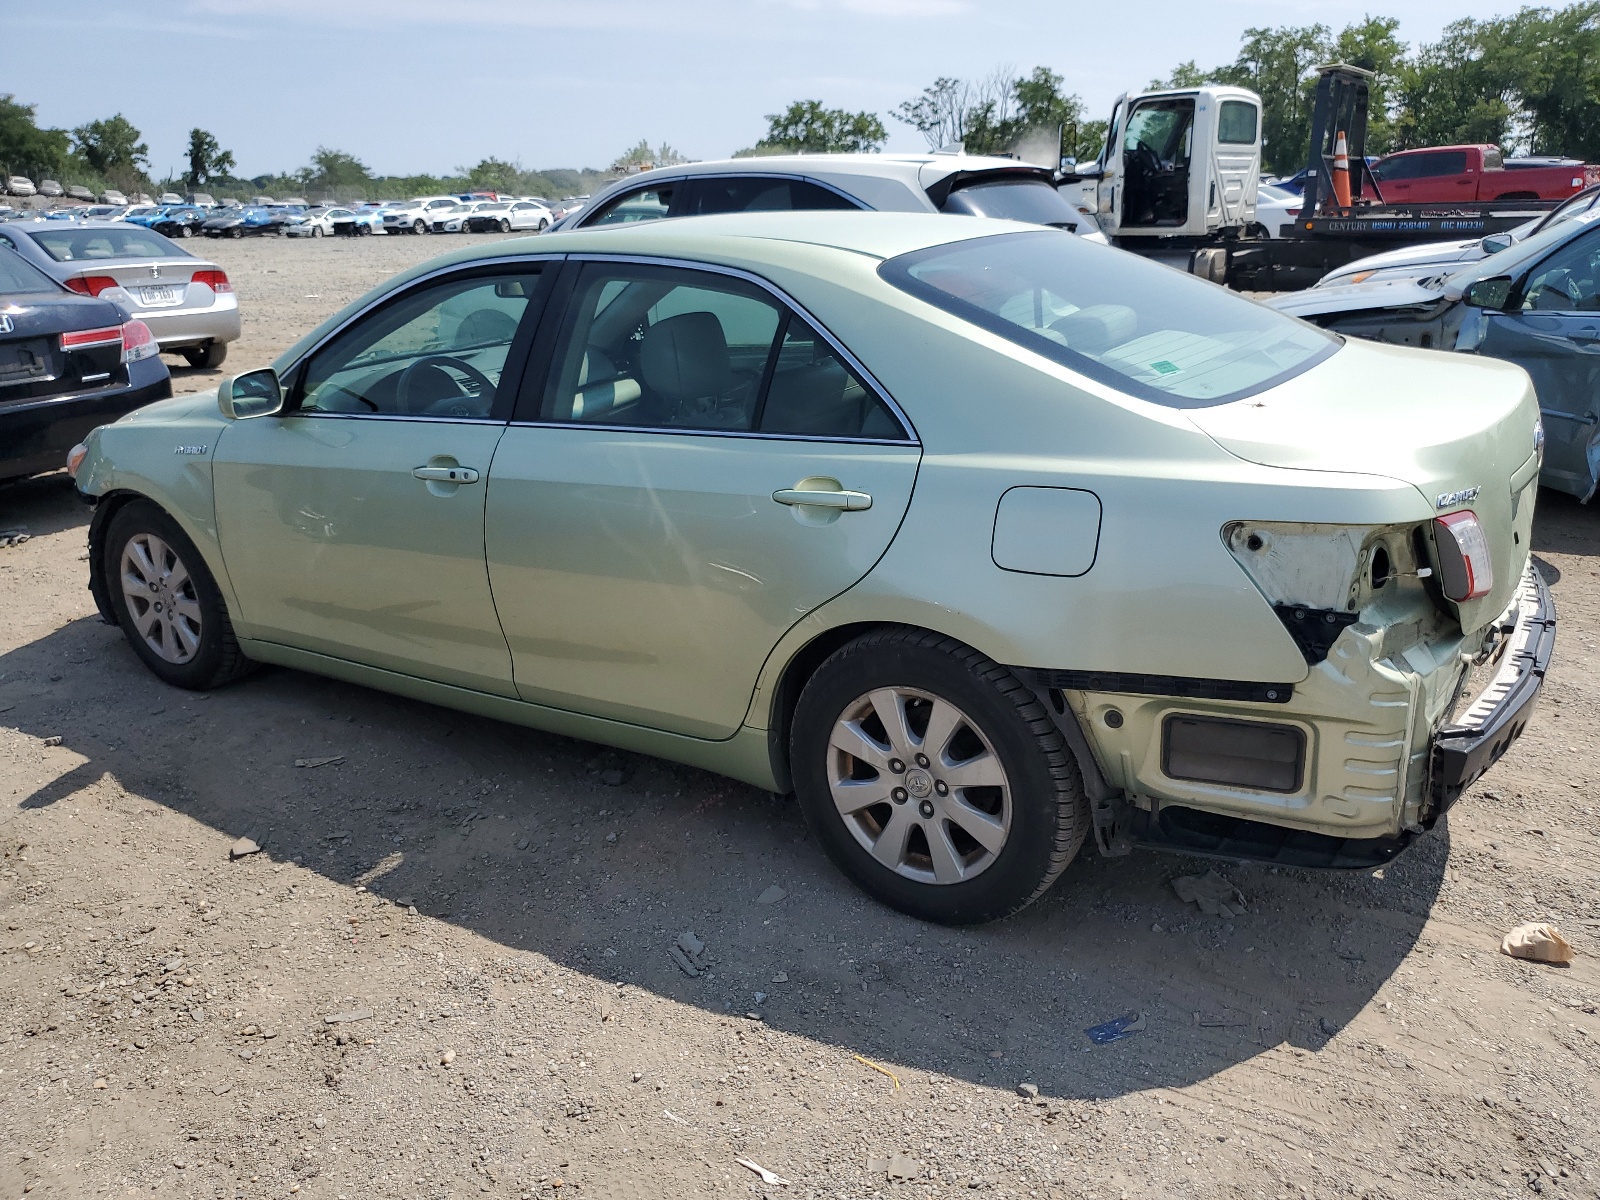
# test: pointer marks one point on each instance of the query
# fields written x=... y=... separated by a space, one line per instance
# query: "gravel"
x=522 y=1022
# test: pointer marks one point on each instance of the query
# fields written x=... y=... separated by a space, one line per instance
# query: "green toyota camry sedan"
x=984 y=541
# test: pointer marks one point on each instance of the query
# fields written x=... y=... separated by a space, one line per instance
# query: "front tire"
x=505 y=225
x=419 y=227
x=316 y=231
x=167 y=603
x=934 y=778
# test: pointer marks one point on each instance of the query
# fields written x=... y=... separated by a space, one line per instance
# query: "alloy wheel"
x=161 y=598
x=919 y=786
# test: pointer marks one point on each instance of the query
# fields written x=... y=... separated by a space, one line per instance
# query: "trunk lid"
x=1446 y=424
x=32 y=362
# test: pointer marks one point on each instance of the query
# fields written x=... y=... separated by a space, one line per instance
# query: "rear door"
x=1555 y=336
x=697 y=468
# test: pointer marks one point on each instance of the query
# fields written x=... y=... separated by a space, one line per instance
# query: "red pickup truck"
x=1466 y=174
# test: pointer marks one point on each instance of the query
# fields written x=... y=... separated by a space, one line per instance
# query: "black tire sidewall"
x=1028 y=858
x=201 y=671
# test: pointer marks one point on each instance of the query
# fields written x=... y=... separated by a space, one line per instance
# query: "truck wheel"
x=167 y=603
x=934 y=779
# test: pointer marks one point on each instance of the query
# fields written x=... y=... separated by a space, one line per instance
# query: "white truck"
x=1178 y=173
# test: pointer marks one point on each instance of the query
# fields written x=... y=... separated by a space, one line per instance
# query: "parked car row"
x=22 y=186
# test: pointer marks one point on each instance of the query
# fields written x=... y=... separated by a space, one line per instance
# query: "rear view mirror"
x=253 y=394
x=511 y=289
x=1490 y=293
x=1495 y=243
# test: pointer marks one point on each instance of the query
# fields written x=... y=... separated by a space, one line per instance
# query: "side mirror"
x=253 y=394
x=1495 y=243
x=1490 y=293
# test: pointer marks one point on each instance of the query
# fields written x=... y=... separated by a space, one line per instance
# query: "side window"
x=814 y=393
x=1566 y=281
x=438 y=352
x=1236 y=123
x=661 y=348
x=646 y=204
x=725 y=194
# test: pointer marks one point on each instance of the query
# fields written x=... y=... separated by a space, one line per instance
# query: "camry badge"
x=5 y=324
x=1451 y=499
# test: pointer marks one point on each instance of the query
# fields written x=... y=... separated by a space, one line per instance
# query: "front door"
x=353 y=525
x=1554 y=334
x=699 y=470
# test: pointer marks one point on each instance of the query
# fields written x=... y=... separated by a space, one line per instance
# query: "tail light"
x=91 y=285
x=134 y=339
x=217 y=281
x=138 y=342
x=1465 y=569
x=88 y=339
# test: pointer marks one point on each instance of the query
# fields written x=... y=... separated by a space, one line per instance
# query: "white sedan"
x=319 y=222
x=506 y=215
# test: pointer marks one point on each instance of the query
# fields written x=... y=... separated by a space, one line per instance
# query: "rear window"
x=1236 y=123
x=19 y=278
x=1031 y=200
x=83 y=245
x=1140 y=327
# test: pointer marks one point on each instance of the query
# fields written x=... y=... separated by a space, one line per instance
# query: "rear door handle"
x=446 y=474
x=847 y=501
x=1585 y=335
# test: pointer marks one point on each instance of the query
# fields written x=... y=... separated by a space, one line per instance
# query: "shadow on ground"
x=599 y=859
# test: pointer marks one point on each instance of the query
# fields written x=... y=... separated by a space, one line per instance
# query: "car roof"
x=746 y=236
x=100 y=225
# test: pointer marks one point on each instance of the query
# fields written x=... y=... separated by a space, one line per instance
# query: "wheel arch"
x=785 y=683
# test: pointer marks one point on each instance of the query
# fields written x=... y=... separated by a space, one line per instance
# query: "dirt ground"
x=447 y=972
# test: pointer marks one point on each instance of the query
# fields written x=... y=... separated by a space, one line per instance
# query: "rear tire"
x=167 y=603
x=968 y=810
x=208 y=357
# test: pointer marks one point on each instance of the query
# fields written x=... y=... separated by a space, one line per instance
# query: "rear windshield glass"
x=19 y=278
x=1140 y=327
x=1031 y=200
x=80 y=245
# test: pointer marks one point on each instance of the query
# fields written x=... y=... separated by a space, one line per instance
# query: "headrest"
x=686 y=357
x=1097 y=328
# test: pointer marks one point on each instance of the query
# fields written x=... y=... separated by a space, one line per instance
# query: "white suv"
x=416 y=216
x=972 y=185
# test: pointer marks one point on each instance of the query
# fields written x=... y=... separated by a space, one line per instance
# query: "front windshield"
x=87 y=245
x=20 y=278
x=1514 y=259
x=1030 y=200
x=1144 y=329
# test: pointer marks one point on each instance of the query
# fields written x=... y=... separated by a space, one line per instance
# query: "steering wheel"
x=402 y=387
x=1146 y=159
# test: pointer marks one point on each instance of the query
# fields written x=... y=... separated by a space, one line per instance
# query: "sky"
x=427 y=86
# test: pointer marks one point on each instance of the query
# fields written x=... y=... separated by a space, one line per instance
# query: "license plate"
x=22 y=362
x=160 y=296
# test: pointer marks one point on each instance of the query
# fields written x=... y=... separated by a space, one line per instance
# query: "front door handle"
x=1587 y=336
x=846 y=501
x=446 y=474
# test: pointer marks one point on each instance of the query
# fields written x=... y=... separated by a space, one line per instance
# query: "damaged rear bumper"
x=1487 y=727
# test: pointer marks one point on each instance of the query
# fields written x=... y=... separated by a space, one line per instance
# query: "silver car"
x=961 y=184
x=187 y=302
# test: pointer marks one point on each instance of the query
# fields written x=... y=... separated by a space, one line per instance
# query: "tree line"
x=1529 y=82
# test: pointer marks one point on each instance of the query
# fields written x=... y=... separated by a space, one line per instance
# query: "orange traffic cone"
x=1341 y=170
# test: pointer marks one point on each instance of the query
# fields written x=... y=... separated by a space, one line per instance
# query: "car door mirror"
x=253 y=394
x=1495 y=243
x=1490 y=293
